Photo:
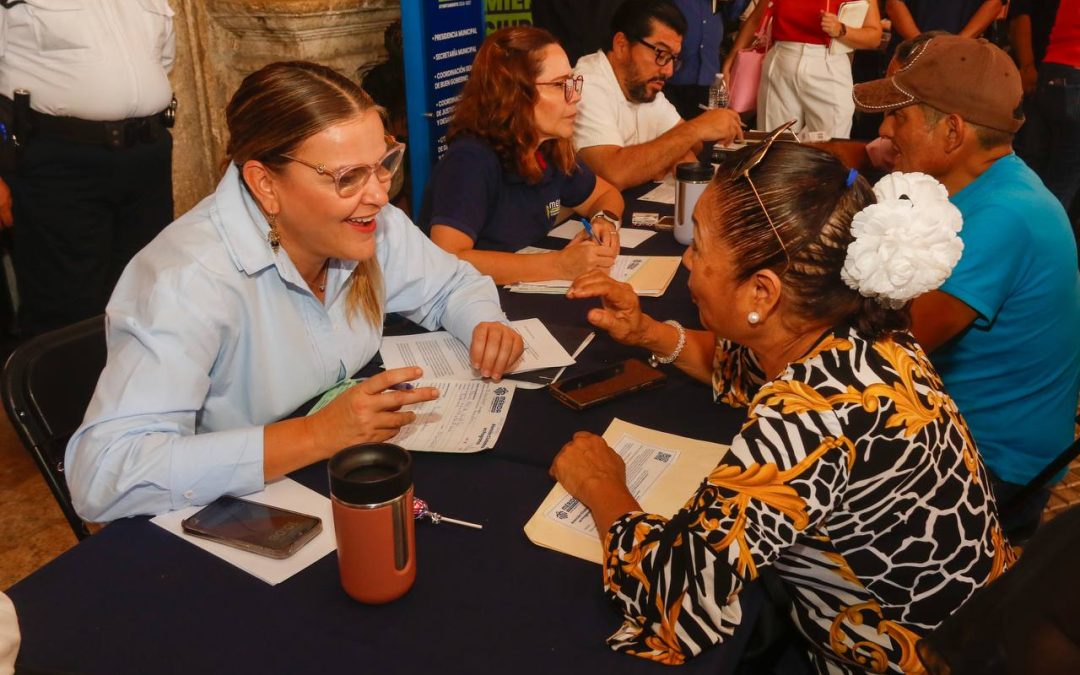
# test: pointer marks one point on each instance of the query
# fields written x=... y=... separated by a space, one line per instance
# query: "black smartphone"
x=250 y=526
x=598 y=386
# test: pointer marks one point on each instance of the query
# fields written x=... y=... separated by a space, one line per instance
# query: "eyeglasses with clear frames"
x=663 y=56
x=571 y=86
x=751 y=161
x=349 y=180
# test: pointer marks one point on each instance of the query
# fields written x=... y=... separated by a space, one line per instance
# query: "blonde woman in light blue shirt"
x=268 y=292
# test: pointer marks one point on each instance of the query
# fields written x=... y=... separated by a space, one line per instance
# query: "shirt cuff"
x=214 y=464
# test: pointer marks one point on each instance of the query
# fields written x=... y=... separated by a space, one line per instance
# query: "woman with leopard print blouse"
x=854 y=475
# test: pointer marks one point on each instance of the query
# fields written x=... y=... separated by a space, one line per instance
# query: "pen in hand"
x=589 y=230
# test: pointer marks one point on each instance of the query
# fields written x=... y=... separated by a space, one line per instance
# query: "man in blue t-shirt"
x=1003 y=329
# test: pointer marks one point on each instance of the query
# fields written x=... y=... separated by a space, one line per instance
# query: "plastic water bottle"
x=718 y=92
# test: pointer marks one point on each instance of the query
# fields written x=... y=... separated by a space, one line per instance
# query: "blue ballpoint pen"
x=588 y=230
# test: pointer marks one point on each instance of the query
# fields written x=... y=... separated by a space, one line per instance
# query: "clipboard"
x=852 y=14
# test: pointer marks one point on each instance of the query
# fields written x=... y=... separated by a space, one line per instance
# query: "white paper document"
x=628 y=237
x=444 y=357
x=287 y=494
x=624 y=268
x=468 y=415
x=853 y=15
x=662 y=472
x=645 y=463
x=663 y=193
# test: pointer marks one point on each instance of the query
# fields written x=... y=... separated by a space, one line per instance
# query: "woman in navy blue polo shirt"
x=510 y=169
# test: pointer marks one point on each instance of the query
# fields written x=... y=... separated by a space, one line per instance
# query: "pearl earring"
x=753 y=318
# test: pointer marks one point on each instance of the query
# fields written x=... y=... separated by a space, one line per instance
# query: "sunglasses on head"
x=755 y=158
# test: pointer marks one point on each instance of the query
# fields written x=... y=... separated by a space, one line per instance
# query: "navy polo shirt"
x=470 y=191
x=950 y=15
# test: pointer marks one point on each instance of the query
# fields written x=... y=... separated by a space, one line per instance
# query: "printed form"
x=645 y=464
x=444 y=357
x=467 y=417
x=662 y=471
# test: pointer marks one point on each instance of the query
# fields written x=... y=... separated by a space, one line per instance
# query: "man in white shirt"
x=626 y=131
x=92 y=183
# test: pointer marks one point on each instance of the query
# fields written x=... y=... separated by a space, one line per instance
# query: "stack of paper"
x=444 y=357
x=663 y=193
x=469 y=413
x=649 y=275
x=628 y=236
x=467 y=417
x=662 y=472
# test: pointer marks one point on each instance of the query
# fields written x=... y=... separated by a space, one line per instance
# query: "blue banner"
x=441 y=38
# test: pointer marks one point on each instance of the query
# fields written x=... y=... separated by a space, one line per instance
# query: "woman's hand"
x=605 y=231
x=620 y=314
x=582 y=254
x=591 y=471
x=495 y=349
x=830 y=23
x=369 y=412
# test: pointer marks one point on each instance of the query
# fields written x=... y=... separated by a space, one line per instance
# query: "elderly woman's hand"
x=495 y=349
x=620 y=315
x=369 y=412
x=591 y=471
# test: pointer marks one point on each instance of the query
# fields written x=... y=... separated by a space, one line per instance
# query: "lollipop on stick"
x=421 y=510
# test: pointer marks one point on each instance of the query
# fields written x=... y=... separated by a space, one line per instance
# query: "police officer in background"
x=86 y=103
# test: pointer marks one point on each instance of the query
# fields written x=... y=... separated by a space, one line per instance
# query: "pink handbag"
x=746 y=68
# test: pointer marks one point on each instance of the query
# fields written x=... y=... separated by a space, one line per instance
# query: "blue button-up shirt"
x=704 y=33
x=211 y=336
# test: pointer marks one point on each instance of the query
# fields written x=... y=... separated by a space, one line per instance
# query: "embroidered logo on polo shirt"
x=553 y=208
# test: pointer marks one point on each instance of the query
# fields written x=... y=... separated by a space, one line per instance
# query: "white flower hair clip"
x=906 y=244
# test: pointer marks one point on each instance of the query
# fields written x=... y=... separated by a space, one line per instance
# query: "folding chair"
x=47 y=384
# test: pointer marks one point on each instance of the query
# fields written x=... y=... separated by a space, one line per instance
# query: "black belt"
x=118 y=134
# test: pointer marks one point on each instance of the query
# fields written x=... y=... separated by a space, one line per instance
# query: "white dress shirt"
x=604 y=115
x=211 y=336
x=91 y=59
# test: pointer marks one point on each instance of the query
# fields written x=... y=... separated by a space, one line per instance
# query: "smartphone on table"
x=250 y=526
x=596 y=387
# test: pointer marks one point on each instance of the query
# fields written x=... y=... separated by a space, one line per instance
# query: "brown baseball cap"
x=964 y=76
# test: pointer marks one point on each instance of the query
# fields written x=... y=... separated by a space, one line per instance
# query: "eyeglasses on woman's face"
x=751 y=161
x=571 y=86
x=663 y=56
x=349 y=180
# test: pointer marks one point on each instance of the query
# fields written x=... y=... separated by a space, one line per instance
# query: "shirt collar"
x=243 y=228
x=241 y=223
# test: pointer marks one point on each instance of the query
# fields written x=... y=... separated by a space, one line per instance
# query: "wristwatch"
x=606 y=215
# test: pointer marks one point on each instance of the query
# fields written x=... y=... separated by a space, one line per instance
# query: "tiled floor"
x=33 y=530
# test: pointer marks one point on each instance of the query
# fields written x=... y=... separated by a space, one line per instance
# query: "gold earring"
x=273 y=237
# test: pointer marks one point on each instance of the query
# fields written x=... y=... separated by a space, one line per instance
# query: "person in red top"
x=1058 y=97
x=800 y=78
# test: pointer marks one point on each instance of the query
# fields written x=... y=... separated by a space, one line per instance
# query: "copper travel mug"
x=372 y=494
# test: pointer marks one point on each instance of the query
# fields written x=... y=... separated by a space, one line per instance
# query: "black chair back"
x=47 y=384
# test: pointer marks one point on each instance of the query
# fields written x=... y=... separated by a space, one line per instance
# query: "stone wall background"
x=219 y=42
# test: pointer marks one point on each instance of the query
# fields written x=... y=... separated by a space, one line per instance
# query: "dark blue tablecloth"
x=136 y=599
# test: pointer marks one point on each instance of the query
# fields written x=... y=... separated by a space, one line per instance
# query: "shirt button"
x=189 y=495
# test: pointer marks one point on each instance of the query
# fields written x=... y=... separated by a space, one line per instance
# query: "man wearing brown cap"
x=1003 y=329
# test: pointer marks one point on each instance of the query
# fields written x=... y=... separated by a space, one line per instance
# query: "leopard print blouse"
x=855 y=477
